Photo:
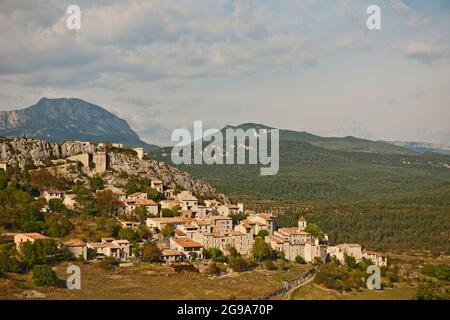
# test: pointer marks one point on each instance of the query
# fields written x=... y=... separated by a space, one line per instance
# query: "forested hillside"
x=313 y=174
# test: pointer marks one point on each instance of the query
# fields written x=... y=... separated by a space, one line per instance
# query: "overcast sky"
x=303 y=65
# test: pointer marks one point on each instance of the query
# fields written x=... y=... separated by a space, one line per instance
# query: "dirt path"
x=290 y=293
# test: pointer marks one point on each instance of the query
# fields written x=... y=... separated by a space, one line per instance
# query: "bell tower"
x=302 y=223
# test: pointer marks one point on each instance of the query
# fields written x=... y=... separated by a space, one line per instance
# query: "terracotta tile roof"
x=201 y=222
x=170 y=201
x=180 y=233
x=276 y=239
x=186 y=243
x=126 y=201
x=147 y=202
x=246 y=225
x=74 y=243
x=292 y=231
x=219 y=218
x=97 y=244
x=170 y=252
x=135 y=194
x=168 y=220
x=266 y=216
x=123 y=241
x=34 y=235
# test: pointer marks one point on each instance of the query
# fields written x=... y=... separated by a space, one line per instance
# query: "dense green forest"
x=316 y=175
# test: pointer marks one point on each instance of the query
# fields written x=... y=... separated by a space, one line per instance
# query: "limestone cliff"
x=40 y=152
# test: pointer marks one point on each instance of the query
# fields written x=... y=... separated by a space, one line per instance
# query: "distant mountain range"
x=349 y=143
x=422 y=147
x=68 y=119
x=317 y=169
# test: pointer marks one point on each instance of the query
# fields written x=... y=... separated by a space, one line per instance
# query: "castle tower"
x=99 y=158
x=302 y=223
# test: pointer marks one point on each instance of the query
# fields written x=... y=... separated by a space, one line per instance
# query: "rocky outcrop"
x=31 y=151
x=119 y=164
x=152 y=169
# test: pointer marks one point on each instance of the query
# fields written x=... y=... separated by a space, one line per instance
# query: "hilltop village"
x=179 y=225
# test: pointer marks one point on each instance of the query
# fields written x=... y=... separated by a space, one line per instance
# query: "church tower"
x=302 y=223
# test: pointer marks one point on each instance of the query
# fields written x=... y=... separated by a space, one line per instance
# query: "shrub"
x=431 y=290
x=213 y=269
x=269 y=265
x=151 y=253
x=109 y=263
x=238 y=264
x=440 y=272
x=261 y=250
x=215 y=255
x=56 y=205
x=130 y=234
x=43 y=275
x=300 y=260
x=282 y=265
x=262 y=233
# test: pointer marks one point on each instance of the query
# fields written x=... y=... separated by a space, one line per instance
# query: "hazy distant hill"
x=68 y=119
x=334 y=143
x=312 y=173
x=424 y=147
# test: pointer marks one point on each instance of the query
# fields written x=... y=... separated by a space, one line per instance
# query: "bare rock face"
x=40 y=152
x=152 y=169
x=30 y=151
x=67 y=119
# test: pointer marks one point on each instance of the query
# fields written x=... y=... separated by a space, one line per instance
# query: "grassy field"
x=402 y=291
x=147 y=281
x=153 y=281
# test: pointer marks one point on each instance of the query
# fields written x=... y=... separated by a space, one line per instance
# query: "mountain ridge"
x=68 y=119
x=310 y=173
x=422 y=147
x=349 y=143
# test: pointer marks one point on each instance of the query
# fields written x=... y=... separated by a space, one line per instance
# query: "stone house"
x=138 y=196
x=169 y=193
x=171 y=255
x=256 y=223
x=31 y=237
x=77 y=248
x=188 y=201
x=150 y=206
x=341 y=250
x=157 y=185
x=377 y=258
x=169 y=204
x=191 y=249
x=53 y=194
x=159 y=223
x=109 y=247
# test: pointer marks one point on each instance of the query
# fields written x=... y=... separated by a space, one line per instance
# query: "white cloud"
x=399 y=5
x=417 y=21
x=161 y=64
x=426 y=52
